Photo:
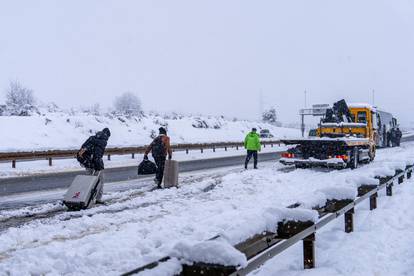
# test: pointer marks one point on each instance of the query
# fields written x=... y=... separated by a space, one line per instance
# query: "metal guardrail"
x=59 y=154
x=266 y=246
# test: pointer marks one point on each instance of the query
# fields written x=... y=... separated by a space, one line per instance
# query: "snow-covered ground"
x=65 y=130
x=27 y=168
x=140 y=226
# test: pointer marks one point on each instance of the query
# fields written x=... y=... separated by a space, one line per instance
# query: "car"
x=265 y=133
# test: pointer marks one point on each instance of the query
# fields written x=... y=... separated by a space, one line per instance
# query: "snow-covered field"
x=64 y=130
x=27 y=168
x=139 y=226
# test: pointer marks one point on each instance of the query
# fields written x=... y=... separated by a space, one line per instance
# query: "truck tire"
x=354 y=158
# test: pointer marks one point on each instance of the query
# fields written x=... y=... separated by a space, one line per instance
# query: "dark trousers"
x=250 y=154
x=160 y=162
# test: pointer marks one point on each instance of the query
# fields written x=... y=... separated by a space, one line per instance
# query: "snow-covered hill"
x=67 y=130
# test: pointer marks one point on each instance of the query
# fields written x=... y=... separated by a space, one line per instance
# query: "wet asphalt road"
x=51 y=181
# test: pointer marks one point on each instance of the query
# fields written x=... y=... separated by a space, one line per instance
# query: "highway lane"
x=43 y=182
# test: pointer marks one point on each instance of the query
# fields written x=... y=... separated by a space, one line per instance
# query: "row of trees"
x=20 y=101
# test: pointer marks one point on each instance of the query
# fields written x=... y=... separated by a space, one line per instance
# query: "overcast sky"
x=212 y=56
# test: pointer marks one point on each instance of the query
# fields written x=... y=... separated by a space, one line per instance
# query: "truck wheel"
x=355 y=158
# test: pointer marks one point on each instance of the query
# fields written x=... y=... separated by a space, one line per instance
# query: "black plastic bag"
x=146 y=167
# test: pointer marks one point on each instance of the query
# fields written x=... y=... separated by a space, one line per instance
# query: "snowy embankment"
x=61 y=130
x=237 y=204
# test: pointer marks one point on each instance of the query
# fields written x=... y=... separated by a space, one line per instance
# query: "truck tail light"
x=288 y=155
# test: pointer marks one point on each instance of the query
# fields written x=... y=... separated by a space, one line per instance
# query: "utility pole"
x=261 y=102
x=302 y=123
x=373 y=97
x=306 y=102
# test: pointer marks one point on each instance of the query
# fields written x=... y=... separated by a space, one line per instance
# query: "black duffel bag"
x=146 y=167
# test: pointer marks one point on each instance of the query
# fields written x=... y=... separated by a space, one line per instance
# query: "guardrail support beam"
x=349 y=221
x=389 y=190
x=50 y=162
x=373 y=201
x=309 y=252
x=13 y=164
x=109 y=157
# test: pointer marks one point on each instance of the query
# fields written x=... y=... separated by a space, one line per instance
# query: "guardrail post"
x=50 y=162
x=264 y=145
x=271 y=145
x=133 y=155
x=309 y=251
x=214 y=149
x=373 y=201
x=186 y=151
x=389 y=190
x=237 y=147
x=349 y=221
x=225 y=148
x=109 y=157
x=13 y=164
x=202 y=150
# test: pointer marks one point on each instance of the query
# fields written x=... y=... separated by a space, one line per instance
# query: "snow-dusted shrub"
x=270 y=116
x=128 y=104
x=20 y=100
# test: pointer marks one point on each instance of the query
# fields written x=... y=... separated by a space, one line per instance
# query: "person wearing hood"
x=253 y=146
x=160 y=148
x=90 y=156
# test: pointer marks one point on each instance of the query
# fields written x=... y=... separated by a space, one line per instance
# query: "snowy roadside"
x=381 y=243
x=28 y=168
x=113 y=239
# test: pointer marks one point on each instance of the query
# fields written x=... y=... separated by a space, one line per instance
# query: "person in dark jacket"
x=398 y=136
x=160 y=148
x=90 y=156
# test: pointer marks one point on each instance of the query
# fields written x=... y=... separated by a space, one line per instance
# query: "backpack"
x=158 y=147
x=84 y=155
x=146 y=167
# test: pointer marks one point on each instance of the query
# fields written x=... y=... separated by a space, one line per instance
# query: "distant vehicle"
x=385 y=124
x=313 y=133
x=265 y=133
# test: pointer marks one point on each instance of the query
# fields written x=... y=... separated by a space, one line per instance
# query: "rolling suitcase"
x=82 y=192
x=171 y=174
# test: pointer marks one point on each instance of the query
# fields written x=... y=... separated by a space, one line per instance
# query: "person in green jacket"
x=252 y=145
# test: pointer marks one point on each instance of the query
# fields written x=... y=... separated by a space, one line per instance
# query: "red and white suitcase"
x=82 y=192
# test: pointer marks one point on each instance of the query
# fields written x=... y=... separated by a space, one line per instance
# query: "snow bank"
x=60 y=130
x=211 y=252
x=339 y=193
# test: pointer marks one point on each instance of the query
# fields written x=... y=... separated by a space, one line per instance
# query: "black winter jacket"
x=96 y=146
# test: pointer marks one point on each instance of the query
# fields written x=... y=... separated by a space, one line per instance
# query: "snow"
x=139 y=227
x=381 y=243
x=339 y=193
x=210 y=252
x=63 y=130
x=362 y=105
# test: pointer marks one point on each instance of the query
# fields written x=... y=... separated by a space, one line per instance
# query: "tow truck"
x=344 y=138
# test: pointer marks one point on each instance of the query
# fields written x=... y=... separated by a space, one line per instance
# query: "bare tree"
x=19 y=99
x=128 y=104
